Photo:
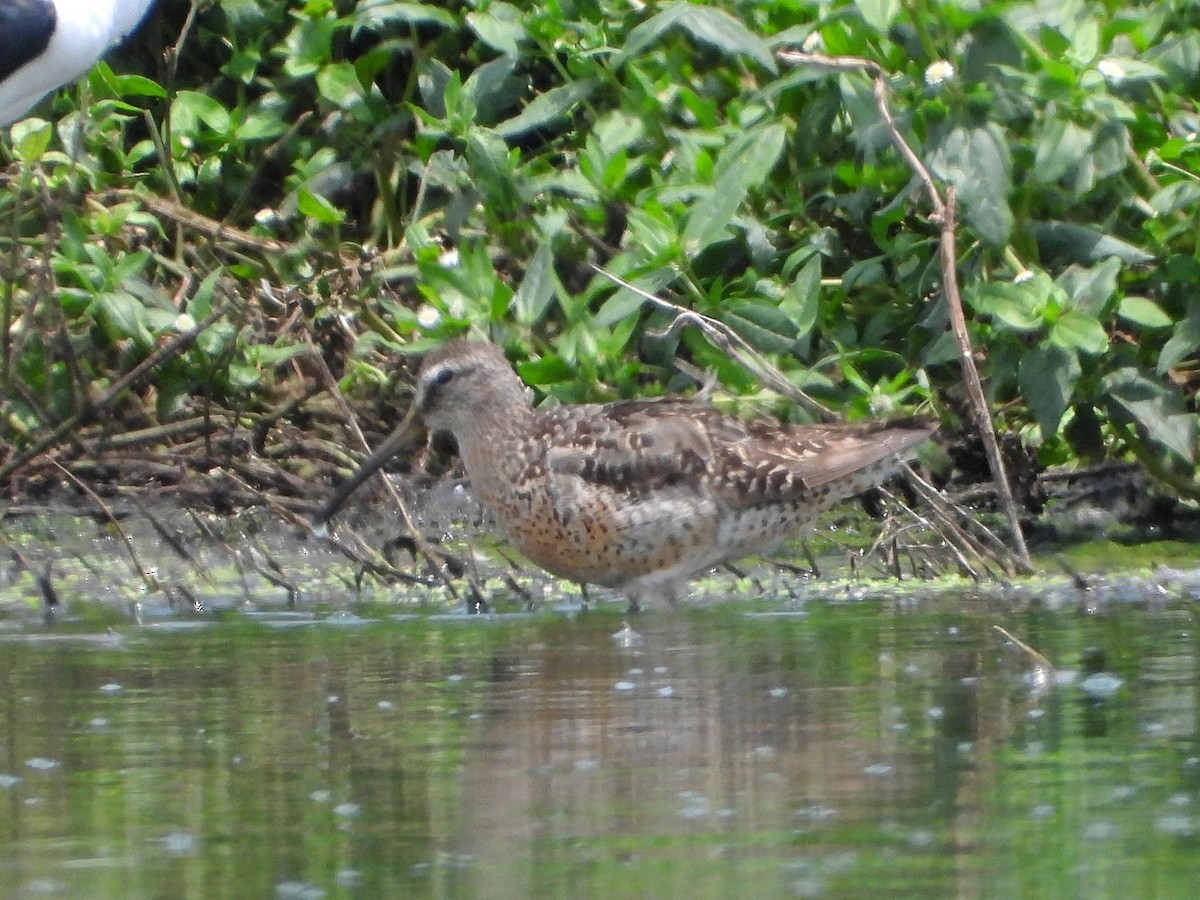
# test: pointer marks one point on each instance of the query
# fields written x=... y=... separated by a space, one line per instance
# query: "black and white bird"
x=45 y=44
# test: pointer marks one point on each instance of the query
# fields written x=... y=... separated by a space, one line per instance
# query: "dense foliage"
x=373 y=177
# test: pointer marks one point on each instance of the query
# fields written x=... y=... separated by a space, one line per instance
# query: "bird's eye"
x=443 y=376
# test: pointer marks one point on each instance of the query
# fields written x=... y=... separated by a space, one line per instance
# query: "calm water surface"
x=879 y=747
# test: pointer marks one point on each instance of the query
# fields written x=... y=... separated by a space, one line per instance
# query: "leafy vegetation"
x=343 y=183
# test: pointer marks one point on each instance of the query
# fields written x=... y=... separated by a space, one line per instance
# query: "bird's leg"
x=667 y=592
x=476 y=603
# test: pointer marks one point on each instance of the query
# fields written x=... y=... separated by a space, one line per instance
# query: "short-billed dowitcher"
x=637 y=495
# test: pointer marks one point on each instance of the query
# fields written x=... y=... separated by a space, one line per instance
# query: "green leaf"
x=879 y=14
x=1079 y=331
x=1047 y=375
x=1019 y=305
x=1067 y=242
x=975 y=159
x=547 y=369
x=653 y=235
x=495 y=90
x=645 y=34
x=492 y=168
x=316 y=207
x=1160 y=412
x=943 y=349
x=625 y=303
x=30 y=138
x=537 y=287
x=123 y=317
x=433 y=82
x=1144 y=312
x=259 y=128
x=708 y=219
x=1176 y=196
x=375 y=14
x=801 y=302
x=1061 y=147
x=749 y=158
x=137 y=86
x=243 y=377
x=617 y=307
x=338 y=83
x=706 y=24
x=1183 y=342
x=1084 y=41
x=744 y=163
x=216 y=340
x=1178 y=55
x=762 y=324
x=864 y=272
x=196 y=106
x=615 y=170
x=1090 y=289
x=724 y=33
x=200 y=304
x=130 y=265
x=459 y=106
x=500 y=26
x=547 y=107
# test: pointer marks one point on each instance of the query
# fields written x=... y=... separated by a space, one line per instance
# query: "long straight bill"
x=386 y=451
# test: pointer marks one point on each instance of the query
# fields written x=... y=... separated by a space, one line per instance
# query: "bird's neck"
x=486 y=443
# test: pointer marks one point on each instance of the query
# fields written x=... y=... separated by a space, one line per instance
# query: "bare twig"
x=146 y=576
x=433 y=556
x=268 y=156
x=944 y=216
x=728 y=341
x=962 y=524
x=211 y=228
x=1037 y=657
x=167 y=351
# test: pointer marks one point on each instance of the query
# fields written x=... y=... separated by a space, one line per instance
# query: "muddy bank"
x=171 y=550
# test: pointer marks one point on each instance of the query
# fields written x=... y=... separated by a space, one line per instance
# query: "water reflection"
x=708 y=742
x=851 y=750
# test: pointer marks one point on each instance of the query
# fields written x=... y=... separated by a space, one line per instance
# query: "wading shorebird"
x=46 y=43
x=637 y=495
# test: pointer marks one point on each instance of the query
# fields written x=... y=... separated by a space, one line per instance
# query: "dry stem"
x=944 y=216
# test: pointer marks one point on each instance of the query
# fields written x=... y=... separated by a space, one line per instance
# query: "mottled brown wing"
x=780 y=462
x=633 y=446
x=640 y=446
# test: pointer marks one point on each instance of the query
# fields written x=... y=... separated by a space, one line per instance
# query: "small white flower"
x=1112 y=70
x=449 y=258
x=939 y=72
x=428 y=317
x=266 y=216
x=1022 y=276
x=184 y=322
x=814 y=43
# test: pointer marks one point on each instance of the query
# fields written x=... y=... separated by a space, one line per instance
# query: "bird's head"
x=460 y=386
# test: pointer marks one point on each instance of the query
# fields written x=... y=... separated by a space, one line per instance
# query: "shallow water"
x=835 y=748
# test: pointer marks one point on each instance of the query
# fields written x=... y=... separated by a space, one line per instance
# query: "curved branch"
x=944 y=216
